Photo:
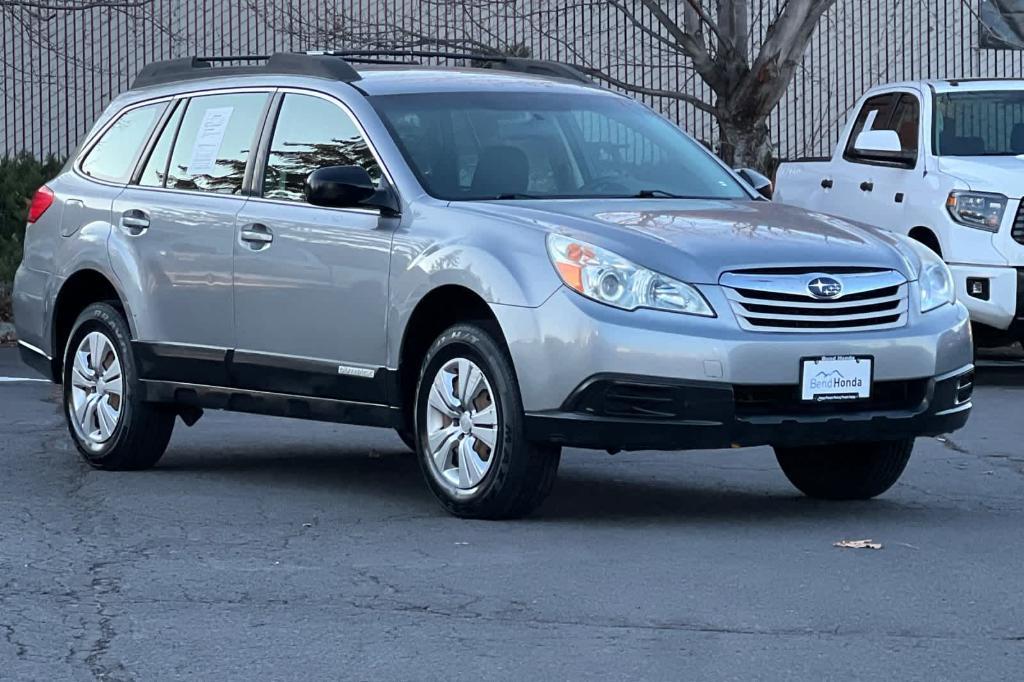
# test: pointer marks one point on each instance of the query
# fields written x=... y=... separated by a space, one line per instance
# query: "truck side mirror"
x=883 y=146
x=761 y=183
x=887 y=141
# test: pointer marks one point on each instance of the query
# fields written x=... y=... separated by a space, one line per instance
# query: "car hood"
x=1000 y=174
x=698 y=240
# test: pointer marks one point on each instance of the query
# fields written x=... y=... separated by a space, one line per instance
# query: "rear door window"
x=215 y=141
x=312 y=133
x=113 y=156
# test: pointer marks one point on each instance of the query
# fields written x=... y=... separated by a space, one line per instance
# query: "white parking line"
x=11 y=380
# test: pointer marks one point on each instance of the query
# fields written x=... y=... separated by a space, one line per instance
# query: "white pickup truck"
x=942 y=162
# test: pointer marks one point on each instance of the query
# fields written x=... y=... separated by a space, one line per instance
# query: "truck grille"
x=780 y=300
x=1018 y=225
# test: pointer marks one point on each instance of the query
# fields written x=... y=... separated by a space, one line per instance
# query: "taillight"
x=41 y=201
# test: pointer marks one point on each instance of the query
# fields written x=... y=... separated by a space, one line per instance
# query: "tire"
x=140 y=432
x=848 y=471
x=517 y=475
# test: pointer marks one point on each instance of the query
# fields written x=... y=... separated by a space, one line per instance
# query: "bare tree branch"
x=740 y=82
x=72 y=6
x=692 y=100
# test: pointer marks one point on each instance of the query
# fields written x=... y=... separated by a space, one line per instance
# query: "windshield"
x=473 y=145
x=988 y=123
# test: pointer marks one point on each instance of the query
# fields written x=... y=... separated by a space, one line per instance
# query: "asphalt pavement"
x=272 y=549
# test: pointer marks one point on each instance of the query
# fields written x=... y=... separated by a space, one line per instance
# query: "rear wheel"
x=470 y=430
x=847 y=471
x=112 y=428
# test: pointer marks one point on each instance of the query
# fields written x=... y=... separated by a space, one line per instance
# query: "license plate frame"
x=860 y=371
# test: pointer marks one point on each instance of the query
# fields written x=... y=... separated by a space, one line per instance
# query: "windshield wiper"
x=517 y=195
x=660 y=194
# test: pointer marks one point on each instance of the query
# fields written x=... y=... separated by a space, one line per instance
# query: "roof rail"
x=539 y=67
x=336 y=65
x=189 y=68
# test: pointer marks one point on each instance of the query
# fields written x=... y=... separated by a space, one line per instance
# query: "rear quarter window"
x=113 y=156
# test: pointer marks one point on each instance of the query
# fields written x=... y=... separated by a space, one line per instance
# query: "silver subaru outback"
x=496 y=262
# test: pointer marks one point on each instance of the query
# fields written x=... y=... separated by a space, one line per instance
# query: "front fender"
x=501 y=263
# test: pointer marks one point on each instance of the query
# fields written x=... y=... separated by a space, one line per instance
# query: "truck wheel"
x=470 y=430
x=848 y=471
x=110 y=426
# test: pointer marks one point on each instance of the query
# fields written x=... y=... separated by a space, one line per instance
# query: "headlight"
x=609 y=278
x=979 y=210
x=934 y=278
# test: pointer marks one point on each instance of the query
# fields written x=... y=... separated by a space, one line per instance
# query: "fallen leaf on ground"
x=858 y=544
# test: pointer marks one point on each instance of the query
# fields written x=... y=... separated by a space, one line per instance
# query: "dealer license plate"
x=835 y=378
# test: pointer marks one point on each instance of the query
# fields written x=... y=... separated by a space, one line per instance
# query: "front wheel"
x=112 y=428
x=848 y=471
x=470 y=430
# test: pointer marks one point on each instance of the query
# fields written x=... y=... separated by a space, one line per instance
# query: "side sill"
x=275 y=404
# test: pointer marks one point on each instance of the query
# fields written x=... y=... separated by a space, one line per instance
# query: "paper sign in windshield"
x=208 y=141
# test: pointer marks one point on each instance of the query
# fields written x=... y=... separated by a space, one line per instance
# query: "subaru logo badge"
x=825 y=287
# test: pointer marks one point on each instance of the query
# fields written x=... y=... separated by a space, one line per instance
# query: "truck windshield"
x=982 y=123
x=514 y=145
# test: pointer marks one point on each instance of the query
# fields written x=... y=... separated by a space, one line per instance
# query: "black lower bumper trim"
x=944 y=408
x=37 y=361
x=1017 y=326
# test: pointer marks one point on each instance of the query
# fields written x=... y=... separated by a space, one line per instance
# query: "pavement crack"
x=20 y=649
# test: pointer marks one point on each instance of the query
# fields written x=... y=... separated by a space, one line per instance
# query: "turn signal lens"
x=41 y=201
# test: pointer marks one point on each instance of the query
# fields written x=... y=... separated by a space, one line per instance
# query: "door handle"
x=256 y=235
x=134 y=221
x=867 y=186
x=827 y=183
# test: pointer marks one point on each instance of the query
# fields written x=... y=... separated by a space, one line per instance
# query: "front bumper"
x=617 y=412
x=1001 y=305
x=569 y=339
x=725 y=386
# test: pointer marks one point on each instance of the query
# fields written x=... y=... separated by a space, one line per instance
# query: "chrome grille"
x=1018 y=225
x=781 y=301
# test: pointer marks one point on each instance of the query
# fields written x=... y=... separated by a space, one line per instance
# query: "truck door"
x=877 y=191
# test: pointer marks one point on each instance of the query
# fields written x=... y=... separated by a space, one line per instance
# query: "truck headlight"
x=609 y=278
x=934 y=278
x=980 y=210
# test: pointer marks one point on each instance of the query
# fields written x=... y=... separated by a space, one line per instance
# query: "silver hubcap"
x=96 y=388
x=462 y=424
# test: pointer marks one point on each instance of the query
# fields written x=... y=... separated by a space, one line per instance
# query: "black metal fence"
x=61 y=67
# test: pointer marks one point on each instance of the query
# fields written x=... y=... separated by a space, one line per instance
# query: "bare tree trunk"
x=745 y=142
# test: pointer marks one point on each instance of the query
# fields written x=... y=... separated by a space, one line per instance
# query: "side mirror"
x=887 y=141
x=883 y=146
x=348 y=187
x=761 y=183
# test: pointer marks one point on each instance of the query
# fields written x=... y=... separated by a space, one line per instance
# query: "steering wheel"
x=606 y=185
